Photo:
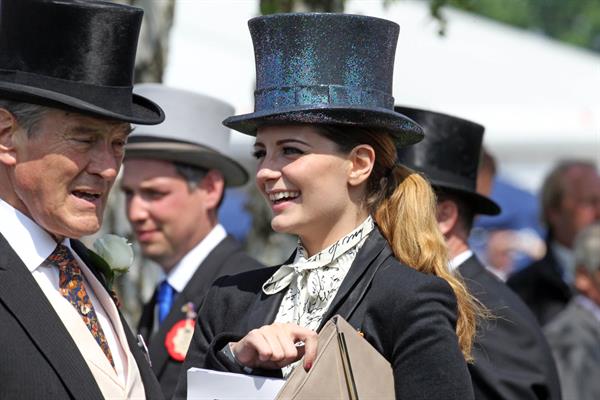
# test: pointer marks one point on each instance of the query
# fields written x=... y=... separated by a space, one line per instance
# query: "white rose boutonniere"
x=115 y=256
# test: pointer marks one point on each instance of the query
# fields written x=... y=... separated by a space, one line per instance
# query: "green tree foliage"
x=572 y=21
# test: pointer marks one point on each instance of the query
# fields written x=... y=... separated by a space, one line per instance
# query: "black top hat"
x=449 y=155
x=75 y=54
x=325 y=69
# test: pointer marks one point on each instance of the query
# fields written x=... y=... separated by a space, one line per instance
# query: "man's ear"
x=362 y=160
x=213 y=185
x=446 y=215
x=8 y=128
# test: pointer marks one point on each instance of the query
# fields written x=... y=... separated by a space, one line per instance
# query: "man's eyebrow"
x=284 y=141
x=83 y=129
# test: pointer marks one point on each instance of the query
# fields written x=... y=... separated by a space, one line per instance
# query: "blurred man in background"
x=570 y=199
x=514 y=238
x=512 y=358
x=174 y=179
x=574 y=334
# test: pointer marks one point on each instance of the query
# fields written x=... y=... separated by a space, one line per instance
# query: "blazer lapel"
x=21 y=294
x=157 y=349
x=471 y=268
x=193 y=292
x=265 y=307
x=146 y=325
x=151 y=386
x=354 y=286
x=553 y=275
x=83 y=253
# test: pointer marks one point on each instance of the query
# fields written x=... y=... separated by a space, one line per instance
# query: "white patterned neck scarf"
x=313 y=282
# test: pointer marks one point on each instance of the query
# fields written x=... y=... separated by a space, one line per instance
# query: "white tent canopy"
x=538 y=99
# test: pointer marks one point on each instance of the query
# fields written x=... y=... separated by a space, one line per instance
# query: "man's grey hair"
x=26 y=114
x=587 y=248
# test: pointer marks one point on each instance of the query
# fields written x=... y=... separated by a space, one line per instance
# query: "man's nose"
x=136 y=208
x=105 y=162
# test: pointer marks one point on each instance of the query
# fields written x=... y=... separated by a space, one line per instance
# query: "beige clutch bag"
x=346 y=367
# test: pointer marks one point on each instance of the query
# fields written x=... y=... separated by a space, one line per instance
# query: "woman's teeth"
x=279 y=196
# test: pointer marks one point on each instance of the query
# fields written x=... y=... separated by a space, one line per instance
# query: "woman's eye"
x=258 y=154
x=292 y=151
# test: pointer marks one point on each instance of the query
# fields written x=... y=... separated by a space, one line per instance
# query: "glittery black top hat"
x=75 y=54
x=448 y=155
x=325 y=69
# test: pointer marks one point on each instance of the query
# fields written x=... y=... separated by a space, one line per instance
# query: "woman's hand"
x=275 y=346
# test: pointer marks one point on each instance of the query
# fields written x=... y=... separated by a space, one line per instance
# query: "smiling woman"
x=368 y=244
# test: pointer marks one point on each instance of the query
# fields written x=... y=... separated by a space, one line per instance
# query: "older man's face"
x=64 y=171
x=580 y=204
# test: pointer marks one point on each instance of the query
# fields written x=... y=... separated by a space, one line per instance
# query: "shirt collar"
x=183 y=271
x=282 y=278
x=459 y=259
x=566 y=260
x=31 y=243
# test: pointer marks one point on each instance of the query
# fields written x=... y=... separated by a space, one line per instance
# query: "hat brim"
x=479 y=203
x=404 y=130
x=142 y=111
x=191 y=154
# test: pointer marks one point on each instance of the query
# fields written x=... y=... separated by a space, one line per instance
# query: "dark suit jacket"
x=38 y=357
x=512 y=357
x=541 y=287
x=225 y=259
x=409 y=317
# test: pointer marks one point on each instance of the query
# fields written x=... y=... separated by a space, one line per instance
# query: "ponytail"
x=405 y=213
x=403 y=205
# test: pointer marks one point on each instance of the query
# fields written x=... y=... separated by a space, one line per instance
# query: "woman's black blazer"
x=409 y=317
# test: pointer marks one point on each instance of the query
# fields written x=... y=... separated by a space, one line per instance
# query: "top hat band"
x=290 y=96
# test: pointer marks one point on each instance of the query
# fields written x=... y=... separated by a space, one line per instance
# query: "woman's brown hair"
x=404 y=207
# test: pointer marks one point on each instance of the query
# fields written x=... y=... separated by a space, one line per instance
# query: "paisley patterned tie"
x=72 y=288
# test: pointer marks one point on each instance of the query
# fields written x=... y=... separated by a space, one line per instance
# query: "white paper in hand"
x=205 y=384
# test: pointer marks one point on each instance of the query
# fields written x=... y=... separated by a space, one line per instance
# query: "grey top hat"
x=191 y=132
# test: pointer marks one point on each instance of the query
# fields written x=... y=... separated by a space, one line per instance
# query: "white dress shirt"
x=183 y=271
x=566 y=260
x=459 y=259
x=33 y=245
